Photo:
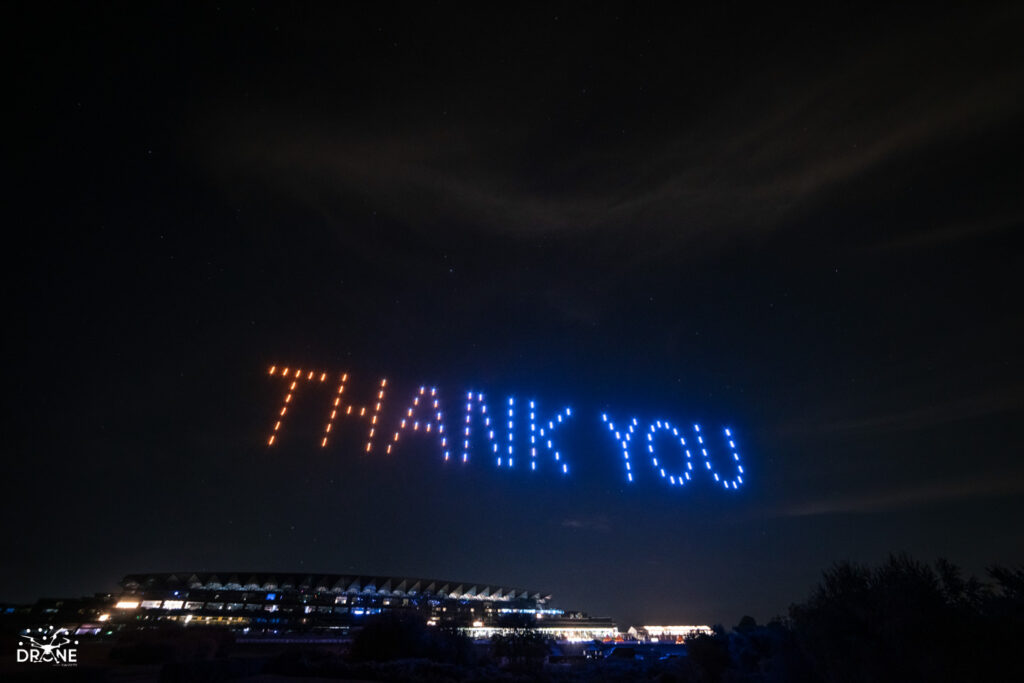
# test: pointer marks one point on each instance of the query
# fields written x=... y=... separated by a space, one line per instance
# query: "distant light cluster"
x=424 y=415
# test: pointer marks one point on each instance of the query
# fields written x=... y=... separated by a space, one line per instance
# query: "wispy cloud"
x=722 y=176
x=589 y=523
x=952 y=232
x=920 y=417
x=989 y=486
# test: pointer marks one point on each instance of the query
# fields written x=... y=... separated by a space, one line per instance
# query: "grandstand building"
x=336 y=603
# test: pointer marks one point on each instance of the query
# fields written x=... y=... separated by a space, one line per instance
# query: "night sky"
x=801 y=225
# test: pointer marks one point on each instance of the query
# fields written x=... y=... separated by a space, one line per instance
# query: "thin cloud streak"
x=923 y=417
x=990 y=486
x=953 y=232
x=592 y=523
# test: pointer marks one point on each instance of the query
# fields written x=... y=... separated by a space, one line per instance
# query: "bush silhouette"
x=401 y=636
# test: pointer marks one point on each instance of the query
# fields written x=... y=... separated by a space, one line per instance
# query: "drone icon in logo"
x=50 y=650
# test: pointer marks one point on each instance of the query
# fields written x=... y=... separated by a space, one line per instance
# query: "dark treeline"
x=901 y=621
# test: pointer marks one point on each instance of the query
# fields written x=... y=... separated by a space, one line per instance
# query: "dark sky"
x=797 y=224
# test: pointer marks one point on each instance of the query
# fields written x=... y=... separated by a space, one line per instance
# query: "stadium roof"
x=328 y=583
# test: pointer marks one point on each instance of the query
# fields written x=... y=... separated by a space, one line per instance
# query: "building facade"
x=257 y=603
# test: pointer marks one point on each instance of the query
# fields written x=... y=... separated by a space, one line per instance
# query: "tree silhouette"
x=904 y=621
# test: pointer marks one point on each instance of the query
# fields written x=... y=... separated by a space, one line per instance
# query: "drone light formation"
x=434 y=418
x=661 y=465
x=661 y=442
x=487 y=427
x=293 y=386
x=337 y=407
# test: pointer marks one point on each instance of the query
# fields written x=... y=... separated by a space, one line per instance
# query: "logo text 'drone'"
x=38 y=648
